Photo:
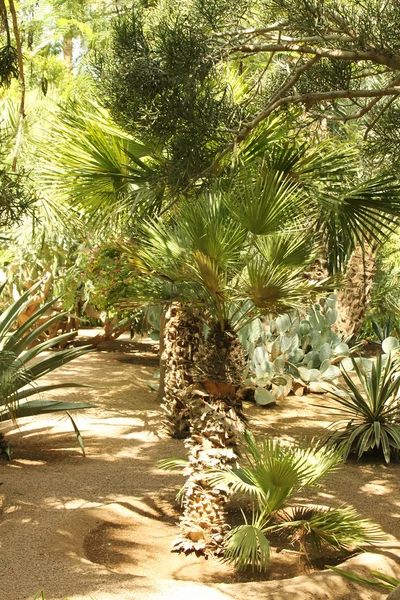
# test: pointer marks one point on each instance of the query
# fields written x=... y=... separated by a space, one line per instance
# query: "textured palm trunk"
x=354 y=298
x=217 y=423
x=215 y=431
x=182 y=338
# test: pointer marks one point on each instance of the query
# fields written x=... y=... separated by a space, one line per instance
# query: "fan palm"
x=212 y=259
x=344 y=209
x=98 y=168
x=370 y=415
x=352 y=216
x=269 y=474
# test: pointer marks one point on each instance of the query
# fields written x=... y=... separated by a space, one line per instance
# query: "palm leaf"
x=90 y=160
x=40 y=407
x=265 y=205
x=246 y=545
x=358 y=579
x=340 y=528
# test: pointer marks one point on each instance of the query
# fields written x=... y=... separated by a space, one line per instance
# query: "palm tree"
x=212 y=260
x=354 y=298
x=240 y=251
x=237 y=251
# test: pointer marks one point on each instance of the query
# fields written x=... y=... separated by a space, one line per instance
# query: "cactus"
x=293 y=354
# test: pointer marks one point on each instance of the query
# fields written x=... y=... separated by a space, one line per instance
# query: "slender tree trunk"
x=161 y=390
x=22 y=85
x=67 y=51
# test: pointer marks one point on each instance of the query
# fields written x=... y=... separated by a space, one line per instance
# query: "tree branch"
x=369 y=106
x=307 y=99
x=358 y=115
x=378 y=116
x=375 y=56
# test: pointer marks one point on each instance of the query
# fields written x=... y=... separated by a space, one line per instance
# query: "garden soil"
x=100 y=527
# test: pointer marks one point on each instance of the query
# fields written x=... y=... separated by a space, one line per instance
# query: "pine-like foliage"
x=159 y=80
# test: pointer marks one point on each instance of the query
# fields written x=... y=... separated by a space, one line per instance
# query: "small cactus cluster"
x=293 y=354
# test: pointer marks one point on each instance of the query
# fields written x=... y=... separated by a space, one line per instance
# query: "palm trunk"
x=215 y=432
x=354 y=298
x=216 y=426
x=21 y=77
x=182 y=337
x=161 y=389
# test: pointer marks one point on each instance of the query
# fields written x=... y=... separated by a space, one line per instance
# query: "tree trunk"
x=183 y=334
x=354 y=298
x=21 y=77
x=215 y=432
x=67 y=51
x=217 y=423
x=161 y=390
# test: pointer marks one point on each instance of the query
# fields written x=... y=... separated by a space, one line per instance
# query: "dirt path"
x=101 y=527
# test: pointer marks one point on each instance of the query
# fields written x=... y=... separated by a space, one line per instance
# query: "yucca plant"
x=269 y=475
x=19 y=371
x=370 y=410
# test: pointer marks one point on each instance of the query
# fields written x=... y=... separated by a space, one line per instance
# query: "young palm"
x=269 y=474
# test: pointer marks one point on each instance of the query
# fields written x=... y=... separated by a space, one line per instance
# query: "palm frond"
x=277 y=289
x=246 y=545
x=339 y=528
x=266 y=204
x=90 y=161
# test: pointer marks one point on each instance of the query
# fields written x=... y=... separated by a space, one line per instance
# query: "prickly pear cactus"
x=294 y=355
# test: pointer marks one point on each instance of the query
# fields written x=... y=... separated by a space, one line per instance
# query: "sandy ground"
x=100 y=527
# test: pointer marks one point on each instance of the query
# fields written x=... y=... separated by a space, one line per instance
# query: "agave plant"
x=371 y=415
x=270 y=474
x=19 y=371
